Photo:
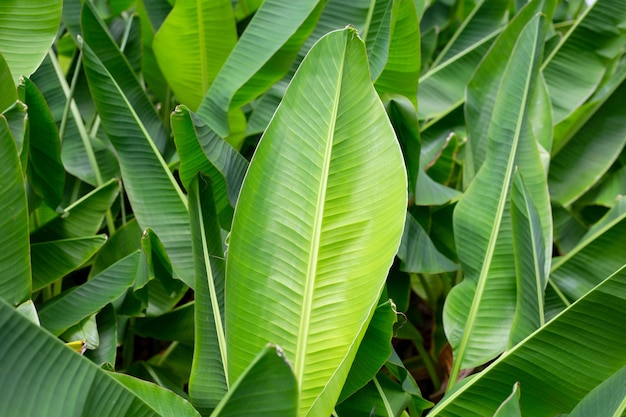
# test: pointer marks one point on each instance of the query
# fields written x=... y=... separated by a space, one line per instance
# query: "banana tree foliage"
x=312 y=208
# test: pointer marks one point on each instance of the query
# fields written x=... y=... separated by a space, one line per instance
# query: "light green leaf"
x=262 y=56
x=156 y=198
x=401 y=71
x=531 y=265
x=207 y=383
x=442 y=88
x=82 y=301
x=418 y=253
x=23 y=49
x=510 y=406
x=428 y=192
x=192 y=45
x=266 y=388
x=594 y=342
x=28 y=310
x=55 y=375
x=54 y=259
x=478 y=312
x=591 y=151
x=326 y=190
x=8 y=94
x=598 y=35
x=15 y=269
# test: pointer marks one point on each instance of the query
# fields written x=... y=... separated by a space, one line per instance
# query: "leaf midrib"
x=307 y=301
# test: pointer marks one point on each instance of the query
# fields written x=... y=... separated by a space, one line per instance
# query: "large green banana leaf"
x=207 y=383
x=156 y=198
x=38 y=370
x=594 y=342
x=23 y=49
x=192 y=44
x=317 y=223
x=7 y=86
x=607 y=399
x=262 y=56
x=15 y=270
x=598 y=35
x=478 y=312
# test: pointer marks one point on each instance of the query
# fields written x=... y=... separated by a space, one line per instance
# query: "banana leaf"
x=478 y=312
x=192 y=44
x=317 y=224
x=24 y=50
x=596 y=36
x=262 y=56
x=15 y=271
x=157 y=200
x=207 y=383
x=594 y=342
x=48 y=371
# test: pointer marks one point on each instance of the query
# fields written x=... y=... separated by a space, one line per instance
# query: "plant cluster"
x=312 y=208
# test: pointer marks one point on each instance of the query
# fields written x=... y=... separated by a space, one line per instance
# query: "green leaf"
x=401 y=71
x=593 y=341
x=45 y=169
x=55 y=375
x=207 y=383
x=442 y=88
x=599 y=252
x=8 y=94
x=23 y=49
x=192 y=45
x=82 y=218
x=531 y=264
x=380 y=397
x=262 y=56
x=607 y=399
x=478 y=312
x=598 y=35
x=404 y=120
x=585 y=158
x=99 y=39
x=486 y=83
x=55 y=259
x=15 y=269
x=106 y=352
x=418 y=253
x=82 y=301
x=177 y=324
x=326 y=190
x=156 y=198
x=266 y=388
x=510 y=406
x=163 y=401
x=429 y=192
x=374 y=351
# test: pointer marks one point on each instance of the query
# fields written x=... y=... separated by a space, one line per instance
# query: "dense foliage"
x=290 y=208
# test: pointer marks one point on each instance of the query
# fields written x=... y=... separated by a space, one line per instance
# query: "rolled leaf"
x=15 y=269
x=317 y=224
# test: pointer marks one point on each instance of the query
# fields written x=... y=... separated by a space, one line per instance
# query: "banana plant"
x=314 y=208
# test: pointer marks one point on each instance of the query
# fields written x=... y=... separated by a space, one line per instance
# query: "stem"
x=429 y=363
x=429 y=292
x=383 y=397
